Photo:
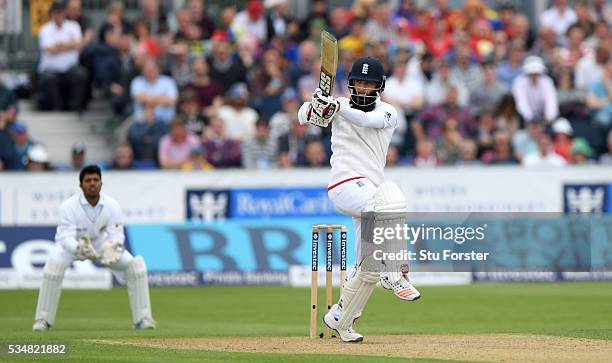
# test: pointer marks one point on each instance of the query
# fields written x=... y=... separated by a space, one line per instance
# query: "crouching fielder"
x=91 y=228
x=361 y=132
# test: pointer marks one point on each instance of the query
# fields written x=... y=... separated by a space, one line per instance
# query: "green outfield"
x=580 y=310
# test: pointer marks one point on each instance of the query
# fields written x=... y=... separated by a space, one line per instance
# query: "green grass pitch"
x=563 y=309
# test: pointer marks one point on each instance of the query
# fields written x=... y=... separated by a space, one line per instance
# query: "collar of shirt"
x=84 y=201
x=92 y=211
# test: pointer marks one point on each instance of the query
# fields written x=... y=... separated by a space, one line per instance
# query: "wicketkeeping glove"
x=85 y=249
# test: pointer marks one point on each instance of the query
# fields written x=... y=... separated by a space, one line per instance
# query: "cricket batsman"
x=361 y=132
x=91 y=228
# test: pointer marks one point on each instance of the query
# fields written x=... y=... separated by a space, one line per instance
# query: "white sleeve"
x=76 y=31
x=520 y=96
x=376 y=119
x=66 y=230
x=552 y=104
x=114 y=228
x=45 y=40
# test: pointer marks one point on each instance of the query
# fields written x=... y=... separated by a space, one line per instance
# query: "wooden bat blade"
x=329 y=62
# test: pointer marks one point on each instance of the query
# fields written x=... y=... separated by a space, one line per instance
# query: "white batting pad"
x=355 y=295
x=50 y=291
x=138 y=289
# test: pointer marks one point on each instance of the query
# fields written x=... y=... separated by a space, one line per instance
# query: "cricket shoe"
x=145 y=323
x=41 y=325
x=332 y=320
x=402 y=288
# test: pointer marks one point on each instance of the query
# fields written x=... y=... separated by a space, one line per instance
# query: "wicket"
x=329 y=228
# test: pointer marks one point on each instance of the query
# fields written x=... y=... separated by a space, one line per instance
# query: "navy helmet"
x=366 y=69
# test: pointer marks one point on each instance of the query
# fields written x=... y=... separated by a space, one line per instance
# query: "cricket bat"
x=329 y=63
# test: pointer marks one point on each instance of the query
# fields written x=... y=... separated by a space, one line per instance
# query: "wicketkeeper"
x=91 y=228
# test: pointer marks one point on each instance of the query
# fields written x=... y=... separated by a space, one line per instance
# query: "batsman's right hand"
x=324 y=106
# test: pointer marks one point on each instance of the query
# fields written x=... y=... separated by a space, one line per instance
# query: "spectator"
x=176 y=146
x=545 y=156
x=534 y=92
x=238 y=118
x=187 y=29
x=506 y=114
x=546 y=45
x=38 y=158
x=209 y=93
x=581 y=152
x=441 y=41
x=315 y=154
x=501 y=153
x=599 y=98
x=584 y=18
x=601 y=36
x=153 y=90
x=574 y=48
x=104 y=60
x=448 y=147
x=339 y=22
x=522 y=32
x=469 y=153
x=189 y=113
x=219 y=149
x=196 y=160
x=8 y=100
x=178 y=63
x=124 y=158
x=602 y=10
x=77 y=157
x=22 y=143
x=317 y=17
x=562 y=137
x=425 y=154
x=511 y=68
x=197 y=10
x=268 y=83
x=569 y=96
x=559 y=17
x=62 y=81
x=405 y=93
x=436 y=90
x=292 y=146
x=154 y=17
x=590 y=67
x=115 y=20
x=525 y=141
x=8 y=157
x=74 y=12
x=281 y=122
x=490 y=91
x=378 y=27
x=276 y=19
x=260 y=151
x=122 y=77
x=307 y=55
x=144 y=135
x=486 y=127
x=607 y=157
x=224 y=69
x=144 y=43
x=430 y=121
x=356 y=39
x=466 y=71
x=251 y=21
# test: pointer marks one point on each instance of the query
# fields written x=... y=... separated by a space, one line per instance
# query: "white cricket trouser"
x=352 y=198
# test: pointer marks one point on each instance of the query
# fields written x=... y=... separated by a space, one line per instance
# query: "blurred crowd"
x=197 y=90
